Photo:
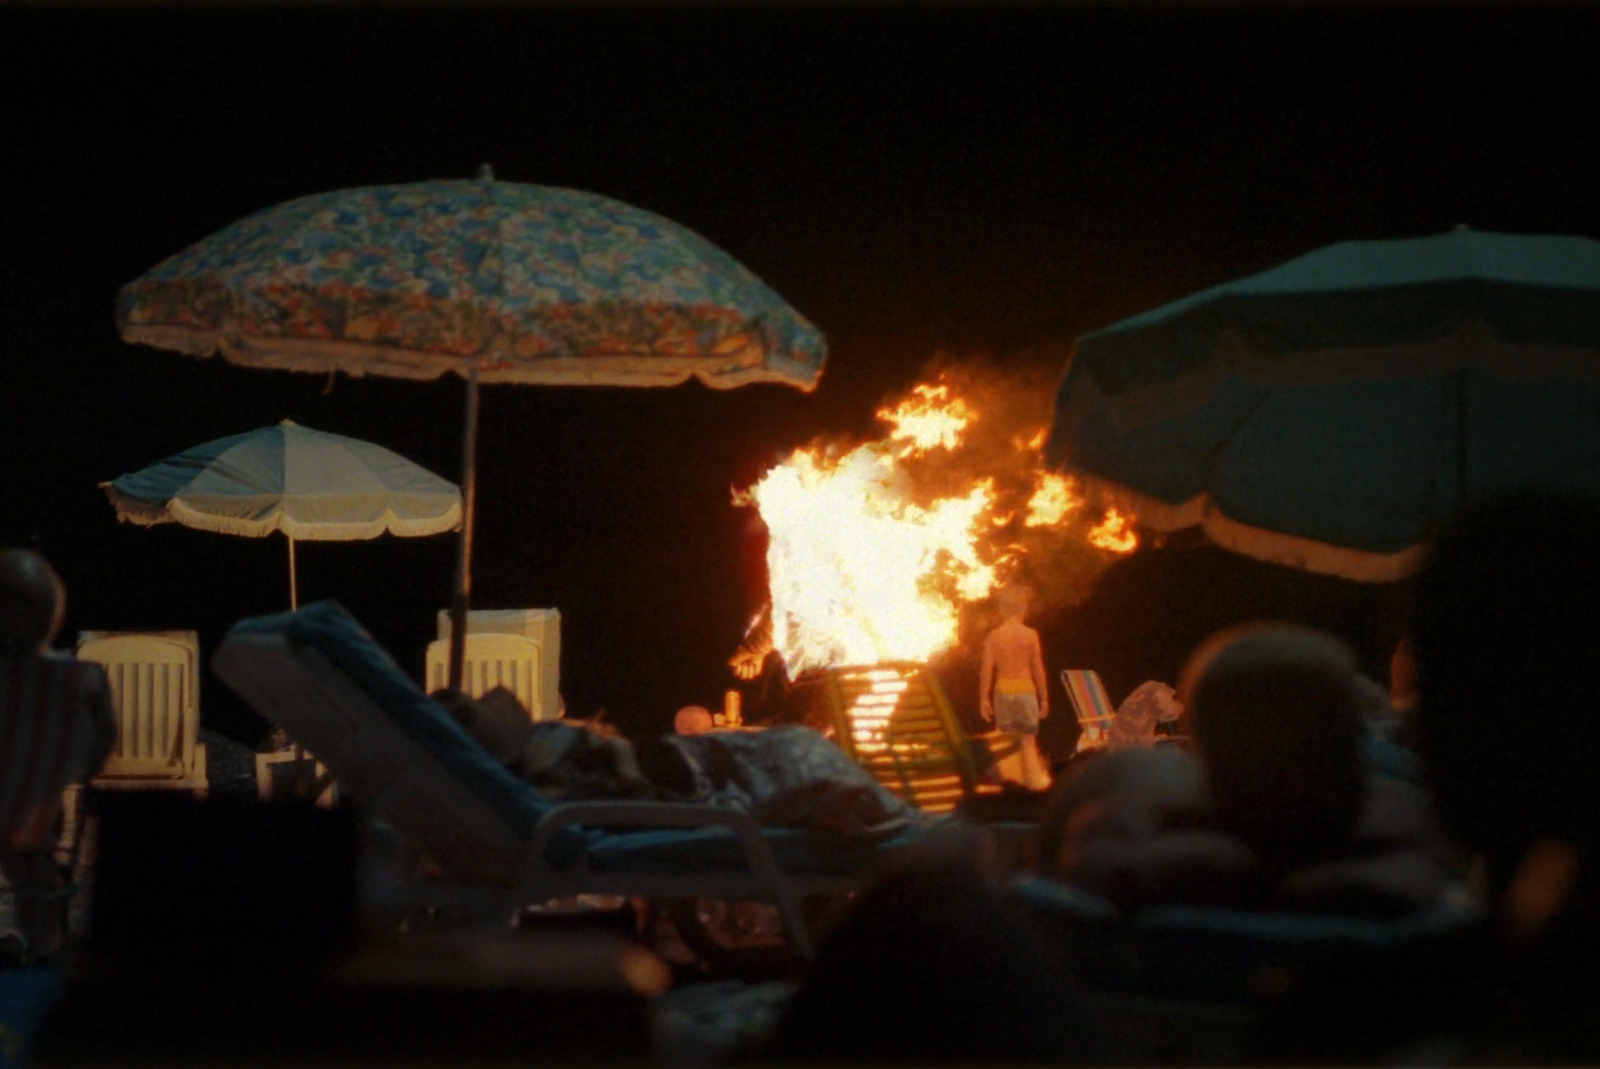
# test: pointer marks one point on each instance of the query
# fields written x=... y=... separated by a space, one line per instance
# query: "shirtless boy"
x=1011 y=686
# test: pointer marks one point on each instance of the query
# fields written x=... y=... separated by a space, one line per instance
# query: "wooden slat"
x=930 y=765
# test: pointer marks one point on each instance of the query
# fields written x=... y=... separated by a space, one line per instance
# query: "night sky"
x=916 y=179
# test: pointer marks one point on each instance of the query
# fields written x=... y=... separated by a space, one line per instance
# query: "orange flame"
x=856 y=567
x=1053 y=500
x=929 y=417
x=867 y=562
x=1034 y=444
x=1114 y=534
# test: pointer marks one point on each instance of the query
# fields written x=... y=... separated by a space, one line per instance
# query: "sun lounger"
x=318 y=675
x=492 y=660
x=1196 y=985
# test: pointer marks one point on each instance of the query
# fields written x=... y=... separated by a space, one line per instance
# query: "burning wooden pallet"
x=895 y=720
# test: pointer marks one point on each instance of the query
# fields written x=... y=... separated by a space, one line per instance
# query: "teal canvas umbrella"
x=309 y=485
x=1333 y=412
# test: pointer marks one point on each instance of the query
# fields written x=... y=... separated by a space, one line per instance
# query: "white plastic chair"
x=155 y=688
x=492 y=660
x=543 y=628
x=489 y=865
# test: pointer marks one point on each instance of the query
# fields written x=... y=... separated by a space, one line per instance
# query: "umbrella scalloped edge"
x=1274 y=547
x=325 y=356
x=148 y=514
x=136 y=511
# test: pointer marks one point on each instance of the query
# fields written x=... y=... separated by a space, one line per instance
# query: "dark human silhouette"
x=56 y=728
x=1274 y=810
x=932 y=967
x=1506 y=633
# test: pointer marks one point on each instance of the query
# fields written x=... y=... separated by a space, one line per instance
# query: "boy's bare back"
x=1012 y=648
x=1012 y=652
x=1012 y=692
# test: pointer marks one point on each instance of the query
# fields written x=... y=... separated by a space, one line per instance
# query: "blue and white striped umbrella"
x=310 y=485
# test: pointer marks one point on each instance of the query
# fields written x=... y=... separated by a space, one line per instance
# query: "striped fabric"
x=1094 y=709
x=56 y=727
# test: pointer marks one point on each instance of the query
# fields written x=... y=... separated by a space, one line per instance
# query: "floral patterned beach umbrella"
x=494 y=281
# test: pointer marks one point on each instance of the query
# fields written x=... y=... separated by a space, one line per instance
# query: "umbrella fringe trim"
x=132 y=510
x=324 y=356
x=1274 y=547
x=147 y=514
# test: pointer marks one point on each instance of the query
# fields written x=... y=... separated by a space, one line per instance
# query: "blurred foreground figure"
x=1276 y=809
x=1277 y=723
x=932 y=967
x=1506 y=632
x=1306 y=877
x=57 y=728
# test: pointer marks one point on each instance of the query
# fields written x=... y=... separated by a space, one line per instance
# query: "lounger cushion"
x=1220 y=954
x=796 y=851
x=328 y=628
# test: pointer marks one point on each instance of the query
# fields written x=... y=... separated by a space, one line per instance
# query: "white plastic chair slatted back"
x=492 y=660
x=154 y=688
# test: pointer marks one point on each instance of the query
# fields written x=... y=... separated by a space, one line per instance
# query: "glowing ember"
x=1034 y=444
x=929 y=417
x=1114 y=534
x=874 y=551
x=1054 y=499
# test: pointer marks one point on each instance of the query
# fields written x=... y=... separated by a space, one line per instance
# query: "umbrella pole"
x=469 y=496
x=1461 y=443
x=294 y=593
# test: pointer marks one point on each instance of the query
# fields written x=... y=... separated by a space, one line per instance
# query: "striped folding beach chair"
x=1092 y=706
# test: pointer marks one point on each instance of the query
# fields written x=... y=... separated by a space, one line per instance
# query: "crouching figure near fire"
x=770 y=696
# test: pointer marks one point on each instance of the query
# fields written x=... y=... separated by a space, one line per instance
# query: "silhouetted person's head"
x=1275 y=713
x=1506 y=629
x=932 y=967
x=32 y=602
x=1013 y=601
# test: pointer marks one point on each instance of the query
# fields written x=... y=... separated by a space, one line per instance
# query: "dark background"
x=917 y=179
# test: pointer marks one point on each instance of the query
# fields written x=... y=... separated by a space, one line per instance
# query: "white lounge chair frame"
x=155 y=689
x=493 y=870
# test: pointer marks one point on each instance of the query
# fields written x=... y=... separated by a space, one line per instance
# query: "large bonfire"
x=878 y=551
